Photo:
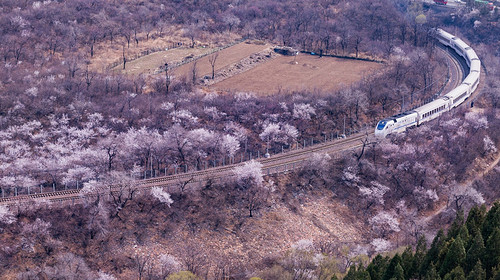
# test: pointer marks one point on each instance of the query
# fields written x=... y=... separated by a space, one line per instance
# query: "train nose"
x=379 y=133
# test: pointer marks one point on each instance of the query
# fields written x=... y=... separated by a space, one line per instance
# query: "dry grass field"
x=226 y=57
x=280 y=74
x=287 y=73
x=149 y=63
x=107 y=53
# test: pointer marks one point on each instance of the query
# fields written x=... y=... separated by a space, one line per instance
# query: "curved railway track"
x=457 y=67
x=275 y=164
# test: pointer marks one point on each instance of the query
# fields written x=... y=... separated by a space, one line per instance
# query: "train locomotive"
x=450 y=100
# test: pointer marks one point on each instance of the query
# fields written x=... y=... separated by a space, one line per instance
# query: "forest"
x=462 y=253
x=67 y=123
x=80 y=124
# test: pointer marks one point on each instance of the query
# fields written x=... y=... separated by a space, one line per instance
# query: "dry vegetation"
x=302 y=73
x=172 y=38
x=150 y=63
x=226 y=57
x=66 y=122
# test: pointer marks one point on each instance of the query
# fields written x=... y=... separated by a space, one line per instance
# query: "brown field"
x=149 y=63
x=226 y=57
x=287 y=73
x=107 y=53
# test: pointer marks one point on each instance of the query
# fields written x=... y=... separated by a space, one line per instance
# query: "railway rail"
x=278 y=163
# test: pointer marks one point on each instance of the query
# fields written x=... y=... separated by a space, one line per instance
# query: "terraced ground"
x=279 y=73
x=226 y=57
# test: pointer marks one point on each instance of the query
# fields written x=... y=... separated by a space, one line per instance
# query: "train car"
x=441 y=2
x=472 y=81
x=470 y=54
x=475 y=65
x=459 y=46
x=458 y=95
x=432 y=110
x=444 y=37
x=397 y=123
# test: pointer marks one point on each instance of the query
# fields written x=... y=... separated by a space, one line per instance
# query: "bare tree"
x=252 y=192
x=194 y=257
x=98 y=219
x=142 y=262
x=167 y=78
x=212 y=59
x=17 y=46
x=89 y=76
x=121 y=195
x=73 y=65
x=194 y=72
x=192 y=32
x=124 y=58
x=357 y=42
x=69 y=266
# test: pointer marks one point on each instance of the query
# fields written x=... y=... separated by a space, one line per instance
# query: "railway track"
x=275 y=164
x=457 y=67
x=278 y=163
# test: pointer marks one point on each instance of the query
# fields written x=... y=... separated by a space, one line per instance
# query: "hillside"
x=71 y=118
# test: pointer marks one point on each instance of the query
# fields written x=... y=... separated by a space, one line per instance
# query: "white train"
x=435 y=108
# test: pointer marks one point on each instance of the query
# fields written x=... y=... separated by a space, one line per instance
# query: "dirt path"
x=488 y=169
x=467 y=183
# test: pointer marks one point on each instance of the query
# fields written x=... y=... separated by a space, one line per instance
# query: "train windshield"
x=381 y=125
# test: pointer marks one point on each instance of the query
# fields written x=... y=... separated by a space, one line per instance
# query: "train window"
x=381 y=125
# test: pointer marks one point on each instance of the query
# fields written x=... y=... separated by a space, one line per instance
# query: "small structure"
x=286 y=51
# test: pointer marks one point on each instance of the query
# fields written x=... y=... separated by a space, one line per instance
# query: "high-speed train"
x=450 y=100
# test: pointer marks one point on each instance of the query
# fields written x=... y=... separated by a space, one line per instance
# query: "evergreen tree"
x=433 y=253
x=477 y=273
x=445 y=249
x=399 y=273
x=408 y=263
x=419 y=256
x=465 y=250
x=362 y=274
x=351 y=274
x=334 y=277
x=377 y=267
x=475 y=219
x=496 y=273
x=456 y=226
x=475 y=253
x=391 y=268
x=432 y=273
x=464 y=235
x=491 y=221
x=454 y=257
x=456 y=274
x=492 y=257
